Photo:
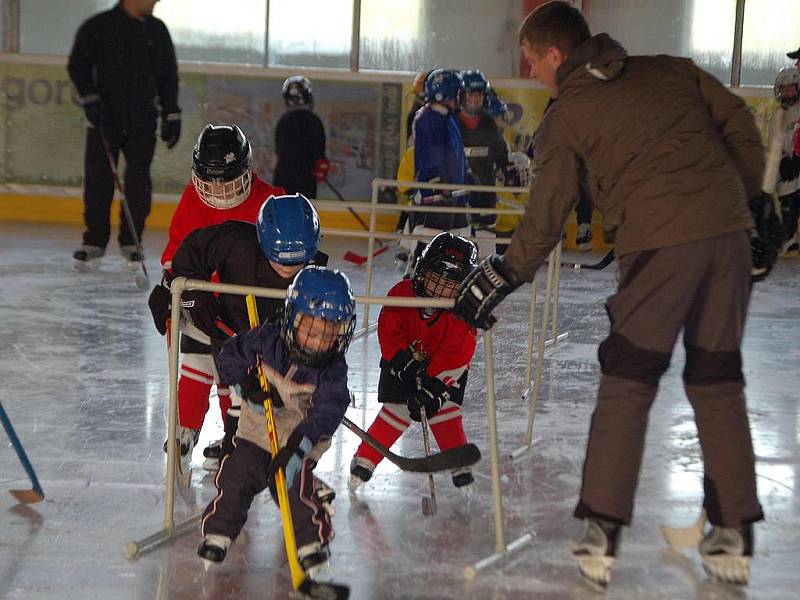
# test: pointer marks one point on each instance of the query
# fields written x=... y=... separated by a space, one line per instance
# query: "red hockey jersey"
x=192 y=213
x=447 y=342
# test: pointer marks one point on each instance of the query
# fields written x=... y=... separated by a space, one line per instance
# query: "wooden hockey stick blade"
x=455 y=458
x=27 y=496
x=682 y=538
x=358 y=259
x=323 y=591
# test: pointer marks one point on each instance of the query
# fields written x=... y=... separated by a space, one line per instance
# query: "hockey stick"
x=142 y=281
x=301 y=583
x=601 y=264
x=23 y=496
x=428 y=502
x=351 y=256
x=455 y=458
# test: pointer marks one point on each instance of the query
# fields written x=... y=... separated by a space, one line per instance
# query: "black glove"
x=766 y=237
x=483 y=289
x=406 y=368
x=431 y=396
x=171 y=128
x=159 y=303
x=97 y=112
x=251 y=391
x=290 y=459
x=203 y=311
x=789 y=167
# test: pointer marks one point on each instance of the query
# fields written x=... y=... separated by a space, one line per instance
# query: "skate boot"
x=463 y=480
x=313 y=558
x=726 y=553
x=87 y=258
x=186 y=439
x=360 y=472
x=132 y=257
x=789 y=246
x=218 y=450
x=213 y=549
x=595 y=549
x=583 y=239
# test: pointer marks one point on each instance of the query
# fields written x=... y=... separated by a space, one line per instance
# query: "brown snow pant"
x=701 y=288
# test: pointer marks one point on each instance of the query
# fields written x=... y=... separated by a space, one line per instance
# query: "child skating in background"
x=303 y=361
x=425 y=356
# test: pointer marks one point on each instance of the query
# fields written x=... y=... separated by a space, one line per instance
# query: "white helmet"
x=522 y=165
x=786 y=77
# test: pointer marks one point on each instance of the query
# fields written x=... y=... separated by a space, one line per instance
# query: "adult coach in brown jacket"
x=670 y=158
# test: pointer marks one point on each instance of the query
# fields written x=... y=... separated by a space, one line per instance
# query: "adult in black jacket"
x=299 y=141
x=124 y=68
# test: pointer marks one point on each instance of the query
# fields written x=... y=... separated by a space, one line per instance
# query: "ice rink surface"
x=84 y=376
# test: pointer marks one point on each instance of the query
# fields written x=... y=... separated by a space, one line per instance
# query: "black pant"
x=583 y=210
x=98 y=185
x=790 y=209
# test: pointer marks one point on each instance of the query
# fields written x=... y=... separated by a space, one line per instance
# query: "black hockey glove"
x=159 y=303
x=97 y=112
x=430 y=397
x=766 y=237
x=483 y=289
x=789 y=168
x=290 y=459
x=203 y=311
x=407 y=368
x=171 y=128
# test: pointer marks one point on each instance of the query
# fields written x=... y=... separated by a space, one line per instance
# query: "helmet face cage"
x=443 y=265
x=319 y=316
x=787 y=77
x=220 y=194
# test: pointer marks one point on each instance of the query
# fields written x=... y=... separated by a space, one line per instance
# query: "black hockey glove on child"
x=483 y=289
x=430 y=397
x=766 y=237
x=159 y=303
x=407 y=368
x=203 y=311
x=290 y=459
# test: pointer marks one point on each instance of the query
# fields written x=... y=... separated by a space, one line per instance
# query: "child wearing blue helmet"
x=268 y=253
x=303 y=360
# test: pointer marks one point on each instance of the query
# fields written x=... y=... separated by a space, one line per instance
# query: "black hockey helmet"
x=221 y=166
x=443 y=265
x=297 y=91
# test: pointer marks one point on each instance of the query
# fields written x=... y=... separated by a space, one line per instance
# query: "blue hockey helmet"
x=473 y=80
x=494 y=105
x=288 y=229
x=324 y=295
x=442 y=85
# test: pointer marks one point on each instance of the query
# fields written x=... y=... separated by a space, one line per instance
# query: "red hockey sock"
x=224 y=396
x=386 y=428
x=449 y=431
x=192 y=397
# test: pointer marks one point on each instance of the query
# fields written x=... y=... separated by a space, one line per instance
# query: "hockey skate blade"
x=730 y=569
x=596 y=570
x=27 y=496
x=323 y=591
x=682 y=538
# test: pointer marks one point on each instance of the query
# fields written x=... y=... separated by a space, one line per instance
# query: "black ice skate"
x=726 y=553
x=313 y=558
x=213 y=549
x=595 y=549
x=87 y=258
x=583 y=239
x=463 y=480
x=360 y=472
x=186 y=439
x=132 y=257
x=219 y=449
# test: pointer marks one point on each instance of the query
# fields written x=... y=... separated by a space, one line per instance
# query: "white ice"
x=85 y=384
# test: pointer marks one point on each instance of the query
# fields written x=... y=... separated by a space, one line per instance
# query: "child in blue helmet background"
x=303 y=360
x=268 y=253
